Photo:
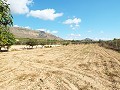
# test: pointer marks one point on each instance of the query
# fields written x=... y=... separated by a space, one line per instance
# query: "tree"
x=6 y=38
x=42 y=43
x=32 y=42
x=5 y=14
x=66 y=43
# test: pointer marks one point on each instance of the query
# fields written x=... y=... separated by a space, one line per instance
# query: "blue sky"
x=69 y=19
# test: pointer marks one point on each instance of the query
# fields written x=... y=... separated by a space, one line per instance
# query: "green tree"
x=43 y=42
x=66 y=43
x=6 y=38
x=32 y=42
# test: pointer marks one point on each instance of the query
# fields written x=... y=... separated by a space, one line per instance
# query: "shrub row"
x=33 y=42
x=111 y=44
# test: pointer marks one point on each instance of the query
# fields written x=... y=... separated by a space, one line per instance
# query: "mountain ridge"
x=20 y=32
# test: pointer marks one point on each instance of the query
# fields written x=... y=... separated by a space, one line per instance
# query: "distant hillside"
x=28 y=33
x=87 y=40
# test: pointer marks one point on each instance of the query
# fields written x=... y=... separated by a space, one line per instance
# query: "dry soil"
x=74 y=67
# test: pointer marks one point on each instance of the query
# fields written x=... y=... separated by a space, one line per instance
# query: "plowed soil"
x=74 y=67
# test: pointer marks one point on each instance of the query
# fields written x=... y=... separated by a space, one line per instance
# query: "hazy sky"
x=69 y=19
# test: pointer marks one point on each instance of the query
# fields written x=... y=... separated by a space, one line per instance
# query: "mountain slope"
x=28 y=33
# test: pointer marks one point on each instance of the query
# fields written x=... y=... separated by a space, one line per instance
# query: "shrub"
x=66 y=43
x=112 y=44
x=32 y=42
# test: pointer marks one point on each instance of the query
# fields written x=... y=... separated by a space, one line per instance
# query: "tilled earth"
x=75 y=67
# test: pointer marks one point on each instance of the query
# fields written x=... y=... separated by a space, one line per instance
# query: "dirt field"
x=77 y=67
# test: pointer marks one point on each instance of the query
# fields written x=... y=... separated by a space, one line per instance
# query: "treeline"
x=111 y=44
x=33 y=42
x=76 y=42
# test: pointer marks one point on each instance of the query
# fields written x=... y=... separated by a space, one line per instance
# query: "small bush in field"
x=32 y=42
x=65 y=43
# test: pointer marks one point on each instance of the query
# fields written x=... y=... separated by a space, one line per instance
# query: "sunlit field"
x=73 y=67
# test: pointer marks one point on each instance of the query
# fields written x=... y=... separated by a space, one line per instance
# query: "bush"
x=42 y=43
x=112 y=44
x=32 y=42
x=66 y=43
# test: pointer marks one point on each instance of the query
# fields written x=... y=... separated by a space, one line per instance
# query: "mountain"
x=87 y=40
x=28 y=33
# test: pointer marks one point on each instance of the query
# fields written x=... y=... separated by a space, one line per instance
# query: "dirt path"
x=76 y=67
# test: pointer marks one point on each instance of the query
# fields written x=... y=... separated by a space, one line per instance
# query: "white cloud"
x=16 y=26
x=27 y=27
x=71 y=26
x=46 y=14
x=54 y=32
x=77 y=25
x=73 y=36
x=42 y=29
x=48 y=31
x=19 y=7
x=74 y=23
x=22 y=7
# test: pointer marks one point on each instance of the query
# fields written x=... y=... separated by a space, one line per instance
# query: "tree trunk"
x=0 y=49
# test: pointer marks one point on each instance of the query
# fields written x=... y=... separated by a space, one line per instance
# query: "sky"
x=69 y=19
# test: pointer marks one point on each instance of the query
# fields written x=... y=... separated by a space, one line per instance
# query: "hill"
x=28 y=33
x=87 y=40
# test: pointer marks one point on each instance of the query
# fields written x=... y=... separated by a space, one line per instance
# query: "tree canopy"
x=6 y=21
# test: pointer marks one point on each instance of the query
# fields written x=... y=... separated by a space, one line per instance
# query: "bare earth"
x=77 y=67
